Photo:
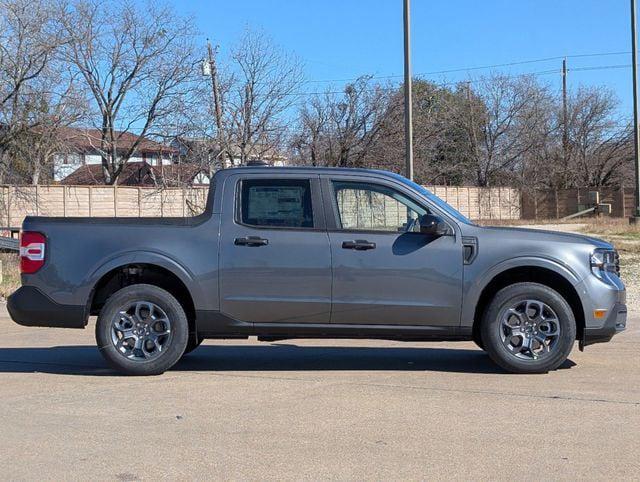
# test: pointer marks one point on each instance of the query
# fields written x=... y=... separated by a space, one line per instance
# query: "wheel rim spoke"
x=123 y=347
x=156 y=342
x=160 y=328
x=529 y=329
x=141 y=331
x=144 y=311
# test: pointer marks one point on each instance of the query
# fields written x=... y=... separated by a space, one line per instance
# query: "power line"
x=481 y=67
x=475 y=81
x=440 y=84
x=602 y=67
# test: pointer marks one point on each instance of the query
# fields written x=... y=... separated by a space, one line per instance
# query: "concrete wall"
x=18 y=202
x=98 y=201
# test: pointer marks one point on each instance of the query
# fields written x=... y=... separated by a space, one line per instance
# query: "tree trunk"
x=35 y=175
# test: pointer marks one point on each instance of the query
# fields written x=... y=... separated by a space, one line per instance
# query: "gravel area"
x=630 y=267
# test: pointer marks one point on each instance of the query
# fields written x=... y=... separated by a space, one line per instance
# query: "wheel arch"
x=137 y=270
x=555 y=279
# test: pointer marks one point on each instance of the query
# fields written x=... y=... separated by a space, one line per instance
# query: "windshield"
x=434 y=199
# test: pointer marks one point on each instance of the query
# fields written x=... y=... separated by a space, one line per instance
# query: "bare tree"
x=598 y=146
x=53 y=105
x=137 y=61
x=500 y=124
x=308 y=142
x=29 y=39
x=341 y=129
x=262 y=86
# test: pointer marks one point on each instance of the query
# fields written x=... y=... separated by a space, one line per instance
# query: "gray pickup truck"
x=284 y=253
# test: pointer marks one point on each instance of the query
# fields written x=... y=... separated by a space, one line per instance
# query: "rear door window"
x=279 y=203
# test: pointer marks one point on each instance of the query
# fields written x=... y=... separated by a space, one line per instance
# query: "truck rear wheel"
x=528 y=328
x=142 y=330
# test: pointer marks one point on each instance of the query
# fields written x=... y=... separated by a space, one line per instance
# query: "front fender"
x=474 y=289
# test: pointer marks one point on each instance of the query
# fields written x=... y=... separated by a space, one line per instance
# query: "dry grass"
x=625 y=236
x=530 y=222
x=615 y=228
x=10 y=274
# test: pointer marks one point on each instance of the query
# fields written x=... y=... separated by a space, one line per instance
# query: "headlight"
x=605 y=261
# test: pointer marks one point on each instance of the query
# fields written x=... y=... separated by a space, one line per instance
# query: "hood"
x=548 y=236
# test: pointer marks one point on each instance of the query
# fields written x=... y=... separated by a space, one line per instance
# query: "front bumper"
x=615 y=323
x=28 y=306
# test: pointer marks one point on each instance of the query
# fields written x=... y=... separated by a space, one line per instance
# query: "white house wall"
x=62 y=170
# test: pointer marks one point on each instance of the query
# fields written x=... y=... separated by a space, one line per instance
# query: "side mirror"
x=434 y=225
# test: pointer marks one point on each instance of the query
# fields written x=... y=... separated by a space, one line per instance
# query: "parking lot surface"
x=320 y=409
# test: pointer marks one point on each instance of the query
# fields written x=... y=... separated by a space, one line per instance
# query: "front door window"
x=374 y=207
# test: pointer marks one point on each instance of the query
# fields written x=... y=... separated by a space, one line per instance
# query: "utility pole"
x=217 y=102
x=565 y=125
x=636 y=127
x=408 y=107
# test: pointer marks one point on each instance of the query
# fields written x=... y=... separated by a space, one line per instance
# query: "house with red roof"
x=142 y=174
x=83 y=148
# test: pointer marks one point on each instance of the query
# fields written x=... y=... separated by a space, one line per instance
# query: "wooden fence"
x=16 y=202
x=553 y=204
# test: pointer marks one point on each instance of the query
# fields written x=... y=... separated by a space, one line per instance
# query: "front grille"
x=617 y=262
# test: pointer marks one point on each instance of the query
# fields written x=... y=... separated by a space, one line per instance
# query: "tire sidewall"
x=179 y=330
x=491 y=326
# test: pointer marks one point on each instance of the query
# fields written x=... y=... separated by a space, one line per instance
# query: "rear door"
x=384 y=270
x=275 y=261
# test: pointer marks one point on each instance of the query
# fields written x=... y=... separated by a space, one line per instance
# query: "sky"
x=345 y=39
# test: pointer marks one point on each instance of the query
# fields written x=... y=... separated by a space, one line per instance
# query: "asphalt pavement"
x=320 y=409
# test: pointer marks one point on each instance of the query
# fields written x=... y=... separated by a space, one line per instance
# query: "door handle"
x=358 y=245
x=251 y=241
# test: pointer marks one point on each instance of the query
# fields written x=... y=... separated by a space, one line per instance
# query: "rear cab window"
x=276 y=203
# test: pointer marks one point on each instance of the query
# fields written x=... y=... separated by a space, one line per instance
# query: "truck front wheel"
x=528 y=328
x=142 y=330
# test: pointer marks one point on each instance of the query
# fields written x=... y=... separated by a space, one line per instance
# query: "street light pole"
x=636 y=127
x=408 y=108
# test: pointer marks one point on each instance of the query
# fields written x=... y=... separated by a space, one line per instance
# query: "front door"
x=384 y=270
x=275 y=261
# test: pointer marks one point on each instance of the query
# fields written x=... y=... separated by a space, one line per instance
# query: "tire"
x=142 y=330
x=193 y=343
x=518 y=318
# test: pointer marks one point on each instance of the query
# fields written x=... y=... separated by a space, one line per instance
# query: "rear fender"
x=146 y=257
